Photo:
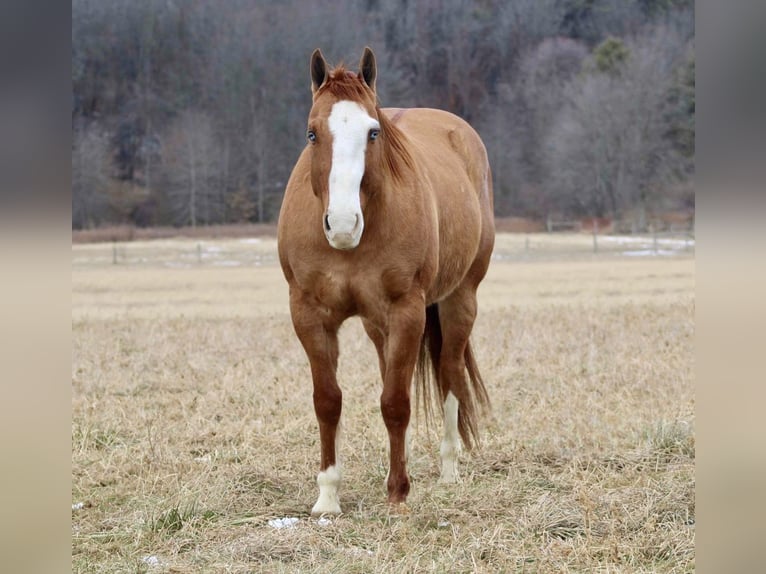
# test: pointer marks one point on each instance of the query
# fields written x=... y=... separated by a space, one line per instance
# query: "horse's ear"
x=368 y=70
x=318 y=70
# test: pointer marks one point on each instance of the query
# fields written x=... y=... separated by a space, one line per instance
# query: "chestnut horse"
x=387 y=215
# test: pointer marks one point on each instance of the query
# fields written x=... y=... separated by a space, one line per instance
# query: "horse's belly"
x=450 y=276
x=454 y=263
x=459 y=240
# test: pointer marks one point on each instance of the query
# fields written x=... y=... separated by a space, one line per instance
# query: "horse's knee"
x=327 y=405
x=395 y=408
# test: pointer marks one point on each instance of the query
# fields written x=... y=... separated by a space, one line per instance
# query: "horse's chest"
x=331 y=289
x=357 y=291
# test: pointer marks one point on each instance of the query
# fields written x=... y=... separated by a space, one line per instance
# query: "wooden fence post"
x=595 y=235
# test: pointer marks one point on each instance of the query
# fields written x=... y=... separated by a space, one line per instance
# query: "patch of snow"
x=648 y=252
x=443 y=524
x=324 y=521
x=356 y=551
x=228 y=263
x=250 y=240
x=151 y=560
x=627 y=240
x=78 y=505
x=288 y=522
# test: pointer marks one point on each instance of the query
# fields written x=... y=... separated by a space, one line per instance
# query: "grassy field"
x=193 y=427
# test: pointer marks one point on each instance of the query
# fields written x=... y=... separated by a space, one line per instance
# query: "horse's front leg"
x=318 y=333
x=406 y=321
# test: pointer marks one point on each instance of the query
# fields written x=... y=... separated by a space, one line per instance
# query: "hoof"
x=329 y=510
x=449 y=473
x=398 y=508
x=449 y=478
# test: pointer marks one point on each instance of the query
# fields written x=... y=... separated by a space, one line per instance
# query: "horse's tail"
x=469 y=393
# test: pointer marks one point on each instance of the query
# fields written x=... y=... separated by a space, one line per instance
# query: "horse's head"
x=343 y=137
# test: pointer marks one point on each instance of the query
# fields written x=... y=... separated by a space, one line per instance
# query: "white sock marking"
x=450 y=446
x=328 y=501
x=329 y=483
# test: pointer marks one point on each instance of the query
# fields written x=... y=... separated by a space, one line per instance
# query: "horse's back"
x=456 y=168
x=442 y=136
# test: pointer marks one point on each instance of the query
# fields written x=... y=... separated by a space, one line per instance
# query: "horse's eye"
x=374 y=133
x=311 y=136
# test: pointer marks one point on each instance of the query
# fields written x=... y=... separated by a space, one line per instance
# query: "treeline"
x=192 y=112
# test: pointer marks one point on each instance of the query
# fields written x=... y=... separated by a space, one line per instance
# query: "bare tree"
x=90 y=176
x=542 y=82
x=191 y=161
x=609 y=150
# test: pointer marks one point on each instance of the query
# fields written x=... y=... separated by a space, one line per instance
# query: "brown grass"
x=192 y=427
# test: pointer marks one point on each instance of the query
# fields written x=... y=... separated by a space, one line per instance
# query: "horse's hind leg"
x=319 y=337
x=456 y=316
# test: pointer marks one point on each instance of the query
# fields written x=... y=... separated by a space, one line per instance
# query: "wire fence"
x=178 y=253
x=262 y=251
x=578 y=245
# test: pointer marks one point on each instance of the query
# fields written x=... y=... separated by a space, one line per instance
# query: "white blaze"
x=450 y=447
x=349 y=125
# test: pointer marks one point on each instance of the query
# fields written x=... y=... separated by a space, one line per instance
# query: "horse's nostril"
x=326 y=223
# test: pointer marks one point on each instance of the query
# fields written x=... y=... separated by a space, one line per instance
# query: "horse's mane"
x=346 y=85
x=396 y=153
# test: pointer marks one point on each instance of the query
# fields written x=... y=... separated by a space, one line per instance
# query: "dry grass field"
x=193 y=425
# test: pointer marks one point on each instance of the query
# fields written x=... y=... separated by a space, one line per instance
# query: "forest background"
x=192 y=112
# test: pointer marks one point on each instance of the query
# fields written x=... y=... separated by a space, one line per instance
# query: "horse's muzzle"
x=343 y=231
